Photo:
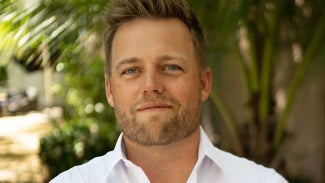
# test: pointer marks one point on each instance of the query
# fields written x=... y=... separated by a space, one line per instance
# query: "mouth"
x=153 y=106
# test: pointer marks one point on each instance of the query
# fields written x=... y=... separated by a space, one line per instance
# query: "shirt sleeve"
x=276 y=178
x=68 y=177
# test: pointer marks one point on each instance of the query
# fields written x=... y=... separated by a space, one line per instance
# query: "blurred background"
x=267 y=103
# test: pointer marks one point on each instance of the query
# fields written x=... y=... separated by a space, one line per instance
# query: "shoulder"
x=94 y=170
x=240 y=169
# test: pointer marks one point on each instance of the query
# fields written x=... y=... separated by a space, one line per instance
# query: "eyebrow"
x=124 y=61
x=132 y=60
x=172 y=57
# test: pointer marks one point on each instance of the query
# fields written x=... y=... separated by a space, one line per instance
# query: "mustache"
x=155 y=99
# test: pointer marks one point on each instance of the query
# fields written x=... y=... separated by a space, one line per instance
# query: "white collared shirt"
x=213 y=165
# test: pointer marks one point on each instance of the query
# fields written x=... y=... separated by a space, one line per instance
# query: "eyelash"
x=130 y=71
x=173 y=68
x=135 y=70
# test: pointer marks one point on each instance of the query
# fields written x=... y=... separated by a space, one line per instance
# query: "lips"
x=152 y=106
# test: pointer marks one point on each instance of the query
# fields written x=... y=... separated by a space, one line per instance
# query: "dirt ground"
x=19 y=146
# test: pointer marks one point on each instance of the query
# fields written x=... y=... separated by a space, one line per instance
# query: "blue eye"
x=173 y=67
x=130 y=71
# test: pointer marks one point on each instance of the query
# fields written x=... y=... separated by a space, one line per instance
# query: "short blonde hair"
x=121 y=11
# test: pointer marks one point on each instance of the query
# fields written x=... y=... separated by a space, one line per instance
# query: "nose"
x=153 y=83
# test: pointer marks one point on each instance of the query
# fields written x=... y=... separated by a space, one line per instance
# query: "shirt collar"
x=117 y=155
x=120 y=153
x=120 y=148
x=206 y=150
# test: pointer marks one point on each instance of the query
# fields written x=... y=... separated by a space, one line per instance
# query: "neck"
x=167 y=163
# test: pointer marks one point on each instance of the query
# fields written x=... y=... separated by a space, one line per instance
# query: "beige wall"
x=19 y=79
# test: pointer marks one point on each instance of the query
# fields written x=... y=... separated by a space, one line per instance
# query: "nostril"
x=156 y=91
x=153 y=91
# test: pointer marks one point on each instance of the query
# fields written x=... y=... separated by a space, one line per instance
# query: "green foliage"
x=76 y=142
x=30 y=27
x=257 y=34
x=68 y=35
x=89 y=129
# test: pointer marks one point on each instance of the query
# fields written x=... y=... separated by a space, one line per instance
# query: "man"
x=156 y=80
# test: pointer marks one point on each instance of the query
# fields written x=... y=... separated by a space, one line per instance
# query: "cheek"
x=187 y=93
x=124 y=95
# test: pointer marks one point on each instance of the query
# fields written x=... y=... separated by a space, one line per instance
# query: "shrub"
x=89 y=127
x=74 y=143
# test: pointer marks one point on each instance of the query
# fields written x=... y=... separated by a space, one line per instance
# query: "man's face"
x=156 y=87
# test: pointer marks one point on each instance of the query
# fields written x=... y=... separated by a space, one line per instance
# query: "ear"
x=109 y=95
x=206 y=84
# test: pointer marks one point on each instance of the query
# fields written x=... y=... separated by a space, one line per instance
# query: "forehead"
x=146 y=25
x=147 y=37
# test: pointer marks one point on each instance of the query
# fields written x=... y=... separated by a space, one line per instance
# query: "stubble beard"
x=168 y=128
